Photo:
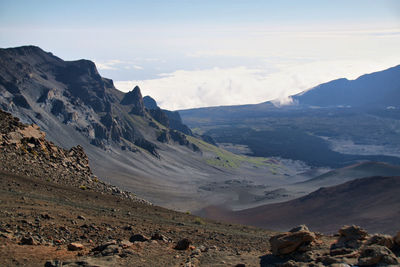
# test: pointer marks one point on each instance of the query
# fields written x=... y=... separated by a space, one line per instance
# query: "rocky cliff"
x=37 y=86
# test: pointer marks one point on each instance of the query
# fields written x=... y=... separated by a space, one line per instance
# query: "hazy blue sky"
x=200 y=53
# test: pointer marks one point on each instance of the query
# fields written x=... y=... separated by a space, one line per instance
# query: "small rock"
x=183 y=244
x=55 y=263
x=196 y=252
x=328 y=260
x=111 y=250
x=27 y=240
x=203 y=248
x=240 y=265
x=75 y=246
x=128 y=228
x=290 y=263
x=138 y=238
x=126 y=244
x=158 y=236
x=341 y=251
x=104 y=246
x=80 y=217
x=46 y=216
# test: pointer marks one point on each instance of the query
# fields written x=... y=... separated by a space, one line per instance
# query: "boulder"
x=138 y=238
x=287 y=243
x=381 y=240
x=353 y=232
x=374 y=255
x=351 y=237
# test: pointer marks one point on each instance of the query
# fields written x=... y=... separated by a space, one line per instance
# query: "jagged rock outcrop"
x=25 y=151
x=134 y=99
x=160 y=116
x=172 y=136
x=173 y=120
x=170 y=119
x=149 y=102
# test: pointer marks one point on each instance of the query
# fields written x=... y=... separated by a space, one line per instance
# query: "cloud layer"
x=184 y=89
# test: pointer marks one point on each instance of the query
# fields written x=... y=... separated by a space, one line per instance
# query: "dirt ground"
x=52 y=216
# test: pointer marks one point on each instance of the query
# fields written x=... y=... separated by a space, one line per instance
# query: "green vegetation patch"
x=226 y=159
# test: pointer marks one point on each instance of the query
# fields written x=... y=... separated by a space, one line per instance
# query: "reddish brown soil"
x=49 y=213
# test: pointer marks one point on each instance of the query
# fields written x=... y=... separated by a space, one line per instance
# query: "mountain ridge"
x=370 y=202
x=380 y=88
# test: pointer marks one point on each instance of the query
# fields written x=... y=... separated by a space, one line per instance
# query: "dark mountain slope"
x=373 y=203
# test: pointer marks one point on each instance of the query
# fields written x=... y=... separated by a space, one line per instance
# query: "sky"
x=188 y=54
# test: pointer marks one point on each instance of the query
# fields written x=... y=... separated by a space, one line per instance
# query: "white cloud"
x=115 y=64
x=108 y=65
x=137 y=67
x=242 y=85
x=258 y=64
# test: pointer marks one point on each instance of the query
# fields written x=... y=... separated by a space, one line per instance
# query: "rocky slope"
x=48 y=224
x=25 y=151
x=54 y=211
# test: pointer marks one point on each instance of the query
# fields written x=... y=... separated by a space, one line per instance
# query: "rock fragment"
x=183 y=244
x=75 y=246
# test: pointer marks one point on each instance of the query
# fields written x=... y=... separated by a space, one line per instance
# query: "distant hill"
x=378 y=89
x=373 y=203
x=352 y=172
